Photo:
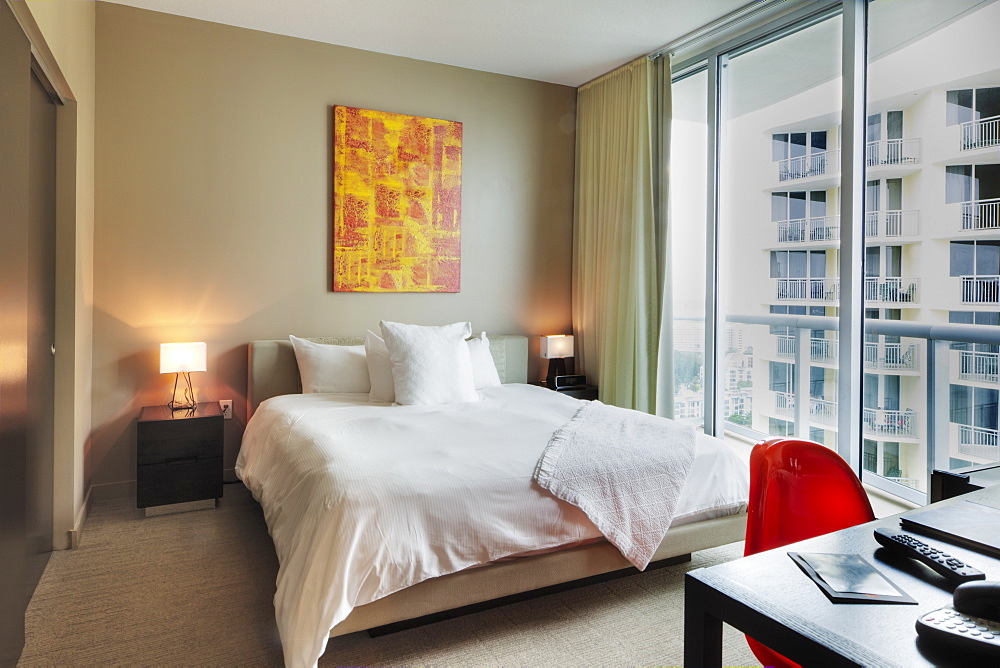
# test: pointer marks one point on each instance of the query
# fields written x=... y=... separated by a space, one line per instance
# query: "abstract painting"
x=397 y=201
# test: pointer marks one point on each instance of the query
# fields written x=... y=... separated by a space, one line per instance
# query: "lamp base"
x=557 y=367
x=187 y=402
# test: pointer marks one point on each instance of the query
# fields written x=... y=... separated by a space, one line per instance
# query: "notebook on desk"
x=965 y=523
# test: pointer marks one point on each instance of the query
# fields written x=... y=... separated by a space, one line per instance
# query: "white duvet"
x=365 y=499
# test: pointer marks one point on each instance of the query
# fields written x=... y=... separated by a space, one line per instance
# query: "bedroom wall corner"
x=68 y=30
x=214 y=205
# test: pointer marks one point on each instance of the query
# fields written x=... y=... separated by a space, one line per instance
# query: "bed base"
x=508 y=581
x=395 y=627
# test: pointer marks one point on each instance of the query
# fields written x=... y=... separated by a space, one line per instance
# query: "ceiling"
x=559 y=41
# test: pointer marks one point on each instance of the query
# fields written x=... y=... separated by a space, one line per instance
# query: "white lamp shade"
x=182 y=357
x=556 y=346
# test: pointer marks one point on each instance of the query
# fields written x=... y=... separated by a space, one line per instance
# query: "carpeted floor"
x=195 y=589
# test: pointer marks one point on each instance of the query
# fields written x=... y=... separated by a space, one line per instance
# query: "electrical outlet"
x=227 y=408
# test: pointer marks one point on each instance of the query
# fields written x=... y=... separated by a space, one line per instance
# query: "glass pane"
x=987 y=187
x=963 y=258
x=958 y=183
x=959 y=106
x=688 y=194
x=894 y=125
x=987 y=102
x=934 y=228
x=790 y=88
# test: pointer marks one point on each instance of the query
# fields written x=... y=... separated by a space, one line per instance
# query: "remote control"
x=940 y=562
x=963 y=632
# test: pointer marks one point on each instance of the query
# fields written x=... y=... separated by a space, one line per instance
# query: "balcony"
x=981 y=289
x=980 y=133
x=891 y=356
x=821 y=411
x=889 y=425
x=891 y=225
x=891 y=290
x=820 y=350
x=979 y=366
x=809 y=230
x=892 y=152
x=981 y=214
x=815 y=164
x=978 y=442
x=808 y=289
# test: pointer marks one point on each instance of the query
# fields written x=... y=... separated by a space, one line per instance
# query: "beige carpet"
x=194 y=589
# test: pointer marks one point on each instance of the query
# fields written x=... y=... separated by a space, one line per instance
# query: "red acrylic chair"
x=798 y=490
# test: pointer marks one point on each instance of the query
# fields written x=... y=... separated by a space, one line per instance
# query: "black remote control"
x=953 y=629
x=940 y=562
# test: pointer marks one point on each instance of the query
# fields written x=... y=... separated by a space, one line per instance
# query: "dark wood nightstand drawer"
x=163 y=441
x=178 y=481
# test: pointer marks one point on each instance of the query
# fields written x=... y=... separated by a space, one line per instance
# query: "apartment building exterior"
x=932 y=249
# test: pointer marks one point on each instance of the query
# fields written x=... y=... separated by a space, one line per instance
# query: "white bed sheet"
x=364 y=499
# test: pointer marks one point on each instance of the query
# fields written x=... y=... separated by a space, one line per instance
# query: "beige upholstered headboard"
x=272 y=369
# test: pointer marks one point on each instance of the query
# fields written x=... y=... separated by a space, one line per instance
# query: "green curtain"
x=619 y=231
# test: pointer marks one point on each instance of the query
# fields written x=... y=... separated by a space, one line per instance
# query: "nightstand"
x=586 y=392
x=178 y=455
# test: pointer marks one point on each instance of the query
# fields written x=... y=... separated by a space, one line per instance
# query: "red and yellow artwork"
x=397 y=202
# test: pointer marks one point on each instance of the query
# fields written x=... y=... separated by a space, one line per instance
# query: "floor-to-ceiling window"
x=919 y=387
x=687 y=231
x=779 y=229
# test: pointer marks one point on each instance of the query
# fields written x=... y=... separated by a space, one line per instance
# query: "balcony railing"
x=815 y=164
x=981 y=133
x=891 y=289
x=894 y=356
x=892 y=152
x=927 y=428
x=812 y=289
x=823 y=350
x=891 y=224
x=981 y=366
x=981 y=289
x=820 y=410
x=820 y=350
x=886 y=424
x=978 y=442
x=823 y=411
x=803 y=230
x=785 y=346
x=981 y=214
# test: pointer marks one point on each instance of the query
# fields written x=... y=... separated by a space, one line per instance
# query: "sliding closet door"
x=41 y=305
x=15 y=65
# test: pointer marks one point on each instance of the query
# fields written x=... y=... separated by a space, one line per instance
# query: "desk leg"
x=702 y=631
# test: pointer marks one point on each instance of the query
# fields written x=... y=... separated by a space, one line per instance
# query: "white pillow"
x=484 y=369
x=430 y=365
x=330 y=368
x=379 y=369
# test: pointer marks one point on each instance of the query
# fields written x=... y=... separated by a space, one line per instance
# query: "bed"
x=460 y=575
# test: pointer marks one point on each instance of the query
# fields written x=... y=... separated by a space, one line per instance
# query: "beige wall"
x=213 y=205
x=68 y=30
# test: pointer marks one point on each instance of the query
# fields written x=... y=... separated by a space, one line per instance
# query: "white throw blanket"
x=624 y=469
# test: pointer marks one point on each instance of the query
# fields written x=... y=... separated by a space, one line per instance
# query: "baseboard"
x=71 y=539
x=81 y=519
x=114 y=490
x=229 y=475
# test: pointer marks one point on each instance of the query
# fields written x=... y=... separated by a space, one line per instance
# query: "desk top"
x=866 y=633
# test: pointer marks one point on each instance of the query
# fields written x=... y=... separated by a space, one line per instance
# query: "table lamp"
x=181 y=359
x=556 y=348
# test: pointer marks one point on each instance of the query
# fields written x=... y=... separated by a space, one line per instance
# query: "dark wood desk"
x=767 y=596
